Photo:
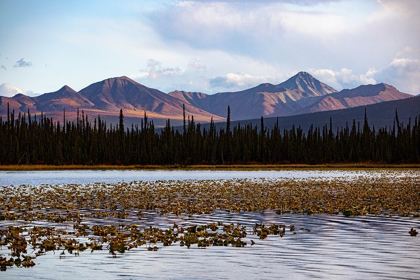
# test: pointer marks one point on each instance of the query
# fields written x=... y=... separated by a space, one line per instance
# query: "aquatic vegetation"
x=124 y=238
x=362 y=196
x=111 y=216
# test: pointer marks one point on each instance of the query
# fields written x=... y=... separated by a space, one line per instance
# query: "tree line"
x=26 y=139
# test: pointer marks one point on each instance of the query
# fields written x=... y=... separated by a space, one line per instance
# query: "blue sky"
x=208 y=46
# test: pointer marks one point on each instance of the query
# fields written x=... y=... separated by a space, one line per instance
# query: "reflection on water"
x=36 y=178
x=357 y=248
x=365 y=247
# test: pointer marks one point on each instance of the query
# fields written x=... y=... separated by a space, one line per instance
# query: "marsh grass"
x=110 y=216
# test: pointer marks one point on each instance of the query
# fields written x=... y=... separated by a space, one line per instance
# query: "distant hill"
x=19 y=103
x=64 y=98
x=306 y=83
x=360 y=96
x=263 y=100
x=300 y=94
x=379 y=115
x=106 y=98
x=114 y=94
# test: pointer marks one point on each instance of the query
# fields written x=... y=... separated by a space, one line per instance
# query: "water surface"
x=17 y=178
x=336 y=247
x=365 y=247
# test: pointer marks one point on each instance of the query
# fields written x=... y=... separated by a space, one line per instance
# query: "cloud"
x=403 y=73
x=405 y=51
x=189 y=77
x=293 y=34
x=141 y=75
x=195 y=76
x=344 y=78
x=237 y=81
x=196 y=65
x=230 y=25
x=9 y=90
x=3 y=67
x=155 y=70
x=340 y=39
x=22 y=63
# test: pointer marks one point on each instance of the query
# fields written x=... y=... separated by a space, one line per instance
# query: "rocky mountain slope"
x=106 y=98
x=263 y=100
x=379 y=115
x=350 y=98
x=300 y=94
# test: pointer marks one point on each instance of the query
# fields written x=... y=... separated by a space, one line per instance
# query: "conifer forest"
x=27 y=139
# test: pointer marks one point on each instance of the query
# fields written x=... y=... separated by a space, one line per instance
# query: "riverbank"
x=208 y=167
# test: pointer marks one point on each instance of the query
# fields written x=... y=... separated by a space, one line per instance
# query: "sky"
x=207 y=46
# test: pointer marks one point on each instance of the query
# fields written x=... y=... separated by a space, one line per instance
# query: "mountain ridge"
x=65 y=97
x=300 y=94
x=360 y=96
x=305 y=82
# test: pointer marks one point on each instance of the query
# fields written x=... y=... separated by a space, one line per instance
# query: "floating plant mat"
x=153 y=216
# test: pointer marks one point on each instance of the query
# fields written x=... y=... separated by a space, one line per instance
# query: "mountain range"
x=379 y=115
x=300 y=94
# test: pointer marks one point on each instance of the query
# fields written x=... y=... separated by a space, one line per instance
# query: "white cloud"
x=237 y=81
x=189 y=77
x=295 y=34
x=344 y=78
x=196 y=43
x=403 y=73
x=368 y=77
x=405 y=51
x=155 y=70
x=231 y=25
x=31 y=93
x=9 y=90
x=196 y=65
x=140 y=75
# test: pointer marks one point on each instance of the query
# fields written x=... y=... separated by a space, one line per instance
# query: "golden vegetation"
x=91 y=208
x=57 y=203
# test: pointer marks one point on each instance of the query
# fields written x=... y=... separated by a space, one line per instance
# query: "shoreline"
x=208 y=167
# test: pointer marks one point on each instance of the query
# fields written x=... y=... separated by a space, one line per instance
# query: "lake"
x=322 y=246
x=36 y=178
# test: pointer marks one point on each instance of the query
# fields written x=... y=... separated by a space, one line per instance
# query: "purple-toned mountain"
x=300 y=94
x=106 y=98
x=263 y=100
x=379 y=115
x=306 y=83
x=113 y=94
x=350 y=98
x=65 y=98
x=18 y=103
